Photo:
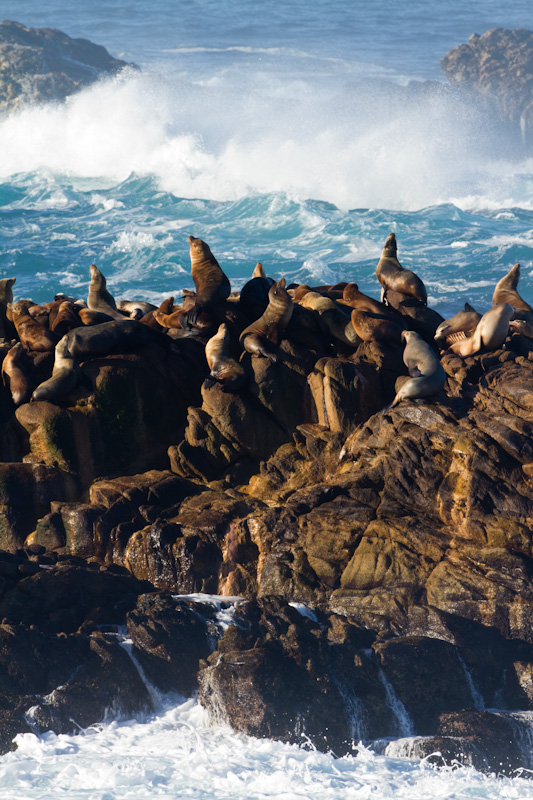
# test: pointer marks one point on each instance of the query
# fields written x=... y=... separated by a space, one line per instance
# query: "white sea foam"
x=178 y=754
x=255 y=131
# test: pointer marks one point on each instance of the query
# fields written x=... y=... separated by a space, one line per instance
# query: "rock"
x=43 y=64
x=498 y=66
x=170 y=638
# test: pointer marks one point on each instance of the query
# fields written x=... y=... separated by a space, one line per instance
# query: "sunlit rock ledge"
x=43 y=64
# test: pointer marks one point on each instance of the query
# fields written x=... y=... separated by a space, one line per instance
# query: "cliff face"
x=498 y=66
x=42 y=64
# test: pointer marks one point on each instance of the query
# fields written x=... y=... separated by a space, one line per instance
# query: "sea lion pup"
x=263 y=336
x=14 y=375
x=211 y=284
x=99 y=299
x=506 y=291
x=490 y=333
x=463 y=322
x=332 y=320
x=392 y=275
x=224 y=368
x=64 y=375
x=426 y=371
x=371 y=327
x=32 y=335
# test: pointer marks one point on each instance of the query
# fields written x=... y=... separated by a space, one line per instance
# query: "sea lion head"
x=96 y=276
x=199 y=249
x=278 y=291
x=350 y=292
x=390 y=249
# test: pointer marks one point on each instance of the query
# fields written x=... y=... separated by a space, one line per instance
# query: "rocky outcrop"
x=42 y=64
x=497 y=66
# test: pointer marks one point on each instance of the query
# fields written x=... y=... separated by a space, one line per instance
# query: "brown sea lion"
x=32 y=335
x=490 y=333
x=426 y=371
x=392 y=275
x=89 y=317
x=65 y=319
x=463 y=322
x=109 y=337
x=263 y=336
x=371 y=327
x=224 y=369
x=15 y=375
x=211 y=283
x=166 y=307
x=506 y=291
x=521 y=326
x=6 y=297
x=332 y=320
x=99 y=299
x=259 y=272
x=354 y=298
x=64 y=375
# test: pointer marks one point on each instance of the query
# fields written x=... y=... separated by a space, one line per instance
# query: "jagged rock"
x=170 y=638
x=497 y=66
x=107 y=681
x=42 y=64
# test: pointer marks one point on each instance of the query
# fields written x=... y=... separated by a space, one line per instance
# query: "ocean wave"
x=357 y=144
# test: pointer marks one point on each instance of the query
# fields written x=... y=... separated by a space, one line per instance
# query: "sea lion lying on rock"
x=426 y=371
x=464 y=322
x=490 y=333
x=332 y=320
x=31 y=333
x=64 y=376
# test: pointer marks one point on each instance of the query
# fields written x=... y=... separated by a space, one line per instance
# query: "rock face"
x=498 y=66
x=42 y=64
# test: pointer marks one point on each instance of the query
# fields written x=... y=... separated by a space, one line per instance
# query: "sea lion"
x=354 y=298
x=6 y=297
x=135 y=309
x=332 y=320
x=31 y=333
x=263 y=336
x=253 y=297
x=108 y=337
x=521 y=326
x=65 y=319
x=99 y=299
x=506 y=291
x=463 y=322
x=89 y=317
x=14 y=375
x=392 y=275
x=224 y=369
x=166 y=307
x=490 y=333
x=371 y=327
x=64 y=375
x=426 y=371
x=211 y=283
x=259 y=272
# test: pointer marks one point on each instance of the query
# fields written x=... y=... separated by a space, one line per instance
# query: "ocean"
x=297 y=134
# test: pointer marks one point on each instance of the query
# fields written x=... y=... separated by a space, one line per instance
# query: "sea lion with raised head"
x=223 y=367
x=426 y=371
x=66 y=318
x=64 y=375
x=110 y=337
x=263 y=336
x=99 y=299
x=490 y=333
x=211 y=283
x=32 y=335
x=15 y=375
x=506 y=291
x=333 y=321
x=463 y=322
x=6 y=297
x=393 y=276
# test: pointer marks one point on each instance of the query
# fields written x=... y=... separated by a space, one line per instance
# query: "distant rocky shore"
x=42 y=64
x=383 y=561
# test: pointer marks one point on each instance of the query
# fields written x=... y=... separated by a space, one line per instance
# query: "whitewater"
x=298 y=135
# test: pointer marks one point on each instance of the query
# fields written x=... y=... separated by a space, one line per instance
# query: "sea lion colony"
x=252 y=321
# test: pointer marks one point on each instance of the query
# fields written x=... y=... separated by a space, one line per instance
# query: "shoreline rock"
x=42 y=64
